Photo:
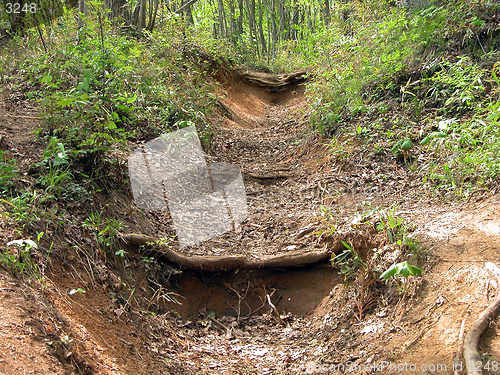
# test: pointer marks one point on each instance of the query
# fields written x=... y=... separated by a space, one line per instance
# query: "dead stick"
x=275 y=310
x=464 y=260
x=457 y=358
x=218 y=323
x=422 y=332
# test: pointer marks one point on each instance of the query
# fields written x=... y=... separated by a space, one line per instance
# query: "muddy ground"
x=138 y=317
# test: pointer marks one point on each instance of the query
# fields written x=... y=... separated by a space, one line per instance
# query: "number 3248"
x=16 y=8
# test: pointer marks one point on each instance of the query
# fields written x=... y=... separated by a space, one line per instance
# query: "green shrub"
x=8 y=173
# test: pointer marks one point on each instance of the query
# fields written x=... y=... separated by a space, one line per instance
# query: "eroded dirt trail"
x=225 y=325
x=265 y=134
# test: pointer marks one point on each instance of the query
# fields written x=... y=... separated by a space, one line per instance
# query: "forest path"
x=263 y=131
x=288 y=174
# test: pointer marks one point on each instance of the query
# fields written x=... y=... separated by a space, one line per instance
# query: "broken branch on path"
x=276 y=312
x=231 y=262
x=457 y=358
x=267 y=177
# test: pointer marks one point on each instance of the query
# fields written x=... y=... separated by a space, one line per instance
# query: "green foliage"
x=24 y=209
x=469 y=152
x=74 y=291
x=34 y=13
x=403 y=145
x=381 y=56
x=100 y=89
x=381 y=45
x=55 y=172
x=394 y=227
x=21 y=260
x=404 y=269
x=103 y=90
x=400 y=274
x=458 y=85
x=347 y=261
x=148 y=259
x=121 y=253
x=105 y=232
x=339 y=150
x=403 y=56
x=8 y=173
x=397 y=231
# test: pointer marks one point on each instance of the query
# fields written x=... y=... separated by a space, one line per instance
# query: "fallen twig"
x=457 y=358
x=226 y=329
x=475 y=192
x=463 y=260
x=282 y=322
x=316 y=181
x=422 y=332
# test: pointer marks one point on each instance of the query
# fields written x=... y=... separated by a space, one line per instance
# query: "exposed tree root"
x=276 y=82
x=232 y=262
x=222 y=70
x=472 y=358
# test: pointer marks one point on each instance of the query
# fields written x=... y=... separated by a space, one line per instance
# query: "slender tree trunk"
x=302 y=22
x=142 y=15
x=119 y=11
x=326 y=12
x=189 y=15
x=309 y=19
x=152 y=19
x=250 y=20
x=185 y=10
x=288 y=20
x=295 y=21
x=268 y=21
x=261 y=29
x=274 y=29
x=149 y=15
x=281 y=9
x=82 y=12
x=240 y=17
x=222 y=19
x=253 y=27
x=215 y=23
x=232 y=25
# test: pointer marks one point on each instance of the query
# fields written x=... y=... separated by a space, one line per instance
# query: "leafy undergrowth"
x=101 y=90
x=422 y=85
x=445 y=129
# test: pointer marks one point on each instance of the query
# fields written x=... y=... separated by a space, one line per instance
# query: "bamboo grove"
x=260 y=25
